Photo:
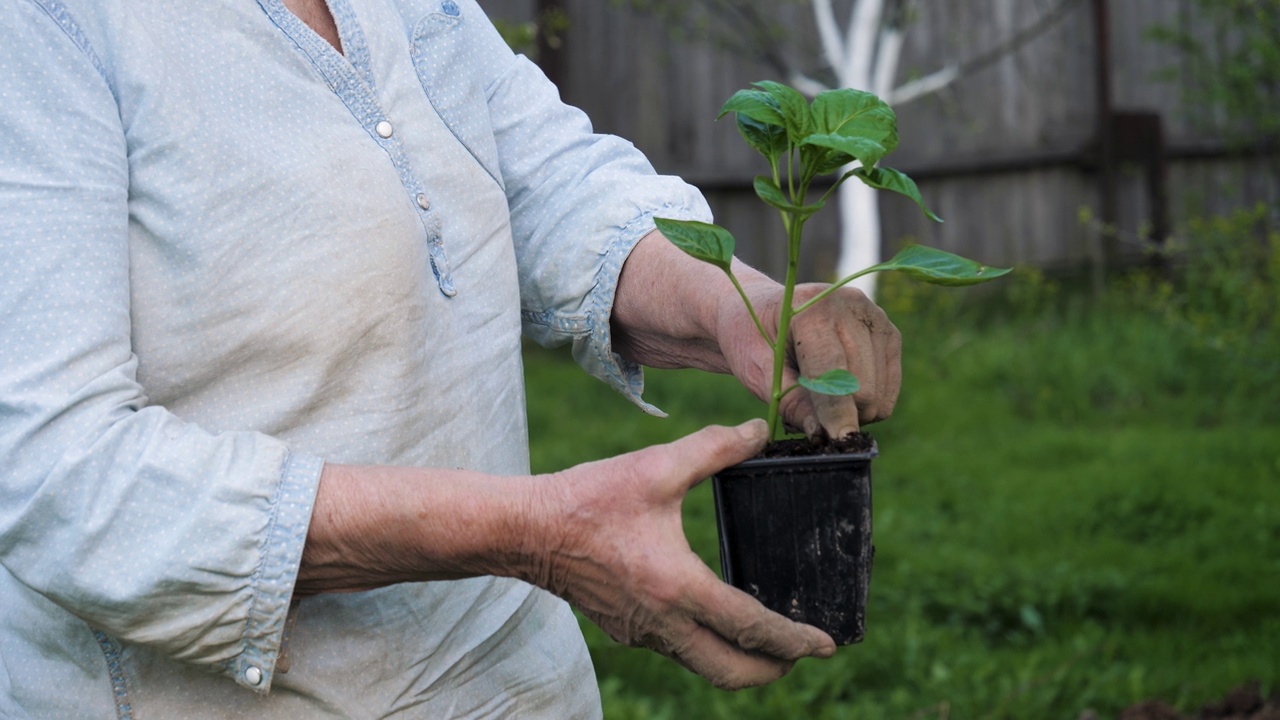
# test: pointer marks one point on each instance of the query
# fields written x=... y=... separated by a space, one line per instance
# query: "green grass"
x=1077 y=506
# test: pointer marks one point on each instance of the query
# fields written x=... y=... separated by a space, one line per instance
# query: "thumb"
x=714 y=448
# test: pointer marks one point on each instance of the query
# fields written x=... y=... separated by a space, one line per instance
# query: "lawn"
x=1077 y=507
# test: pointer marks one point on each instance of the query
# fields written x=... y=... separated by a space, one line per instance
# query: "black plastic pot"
x=795 y=533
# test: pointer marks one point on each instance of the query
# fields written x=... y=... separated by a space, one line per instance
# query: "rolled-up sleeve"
x=147 y=527
x=580 y=201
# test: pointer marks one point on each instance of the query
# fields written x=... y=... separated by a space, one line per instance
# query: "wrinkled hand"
x=618 y=553
x=845 y=330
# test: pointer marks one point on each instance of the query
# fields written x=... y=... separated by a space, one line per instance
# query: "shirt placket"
x=351 y=78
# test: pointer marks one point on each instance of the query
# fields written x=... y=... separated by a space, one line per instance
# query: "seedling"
x=803 y=141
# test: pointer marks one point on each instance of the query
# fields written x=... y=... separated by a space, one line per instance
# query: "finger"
x=797 y=407
x=695 y=457
x=743 y=622
x=728 y=668
x=891 y=353
x=872 y=409
x=815 y=355
x=876 y=400
x=847 y=346
x=858 y=338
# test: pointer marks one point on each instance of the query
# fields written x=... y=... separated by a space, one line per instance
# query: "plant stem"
x=836 y=286
x=791 y=175
x=785 y=312
x=750 y=308
x=835 y=186
x=794 y=224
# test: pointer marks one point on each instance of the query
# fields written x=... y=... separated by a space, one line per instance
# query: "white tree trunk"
x=859 y=234
x=858 y=62
x=860 y=44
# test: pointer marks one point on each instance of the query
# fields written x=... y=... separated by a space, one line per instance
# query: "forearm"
x=374 y=526
x=605 y=536
x=669 y=306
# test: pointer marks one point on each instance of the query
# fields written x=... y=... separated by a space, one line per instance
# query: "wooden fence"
x=1009 y=155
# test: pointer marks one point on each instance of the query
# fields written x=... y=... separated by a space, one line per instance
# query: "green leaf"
x=767 y=118
x=772 y=194
x=939 y=267
x=883 y=178
x=835 y=382
x=866 y=151
x=768 y=140
x=755 y=104
x=793 y=106
x=855 y=114
x=824 y=161
x=708 y=243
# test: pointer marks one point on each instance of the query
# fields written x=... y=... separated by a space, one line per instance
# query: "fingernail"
x=845 y=431
x=754 y=429
x=825 y=652
x=810 y=426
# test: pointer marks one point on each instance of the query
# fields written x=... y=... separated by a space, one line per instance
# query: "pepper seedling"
x=842 y=132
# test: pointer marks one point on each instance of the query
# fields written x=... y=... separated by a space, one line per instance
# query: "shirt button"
x=253 y=676
x=383 y=129
x=424 y=202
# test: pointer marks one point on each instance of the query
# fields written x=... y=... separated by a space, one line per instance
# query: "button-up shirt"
x=230 y=253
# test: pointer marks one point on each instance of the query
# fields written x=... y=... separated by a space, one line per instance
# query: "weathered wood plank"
x=635 y=81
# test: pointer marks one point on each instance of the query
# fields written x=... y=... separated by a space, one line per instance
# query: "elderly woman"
x=264 y=271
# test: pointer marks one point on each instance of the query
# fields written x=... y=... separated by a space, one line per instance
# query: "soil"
x=1242 y=703
x=858 y=442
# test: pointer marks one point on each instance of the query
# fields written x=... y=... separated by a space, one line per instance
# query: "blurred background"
x=1078 y=498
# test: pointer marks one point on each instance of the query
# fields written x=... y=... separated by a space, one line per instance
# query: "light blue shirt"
x=228 y=254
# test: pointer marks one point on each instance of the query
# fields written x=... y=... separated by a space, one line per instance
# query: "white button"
x=424 y=202
x=253 y=676
x=383 y=129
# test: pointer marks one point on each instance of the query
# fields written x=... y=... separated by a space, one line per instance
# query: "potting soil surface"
x=858 y=442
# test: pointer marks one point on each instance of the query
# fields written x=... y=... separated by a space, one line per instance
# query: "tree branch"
x=770 y=52
x=866 y=58
x=806 y=84
x=920 y=87
x=937 y=80
x=829 y=32
x=886 y=65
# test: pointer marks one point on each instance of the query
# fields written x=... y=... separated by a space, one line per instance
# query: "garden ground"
x=1077 y=504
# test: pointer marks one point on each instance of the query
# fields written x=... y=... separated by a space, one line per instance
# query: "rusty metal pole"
x=1106 y=144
